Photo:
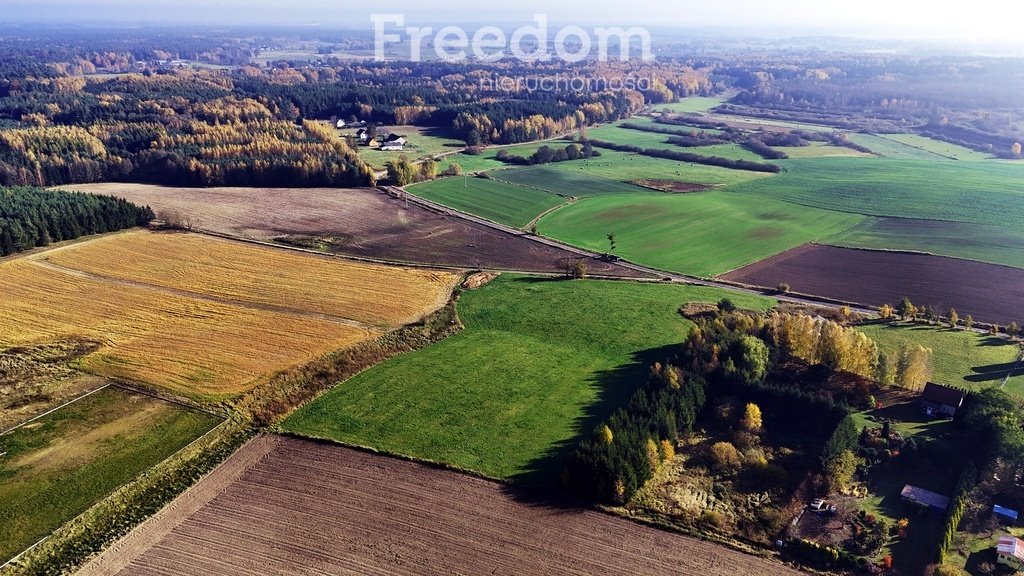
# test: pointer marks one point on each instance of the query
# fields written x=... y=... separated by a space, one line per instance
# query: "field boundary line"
x=537 y=218
x=312 y=252
x=116 y=489
x=52 y=410
x=119 y=554
x=919 y=148
x=284 y=310
x=139 y=388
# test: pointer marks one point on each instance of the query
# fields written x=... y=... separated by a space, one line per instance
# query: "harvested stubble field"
x=256 y=276
x=157 y=312
x=353 y=222
x=988 y=292
x=285 y=506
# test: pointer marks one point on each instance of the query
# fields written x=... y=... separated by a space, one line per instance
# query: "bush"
x=725 y=458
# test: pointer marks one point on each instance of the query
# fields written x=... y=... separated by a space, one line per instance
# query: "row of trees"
x=689 y=157
x=31 y=217
x=816 y=340
x=546 y=155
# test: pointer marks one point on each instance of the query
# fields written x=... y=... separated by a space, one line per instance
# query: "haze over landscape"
x=986 y=20
x=679 y=288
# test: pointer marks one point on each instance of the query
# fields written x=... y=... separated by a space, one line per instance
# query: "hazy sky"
x=976 y=19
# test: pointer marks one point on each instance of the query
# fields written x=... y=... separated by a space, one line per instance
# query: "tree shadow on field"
x=995 y=372
x=540 y=483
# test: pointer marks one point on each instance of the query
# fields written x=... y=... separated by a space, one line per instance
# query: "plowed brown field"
x=988 y=292
x=357 y=222
x=287 y=506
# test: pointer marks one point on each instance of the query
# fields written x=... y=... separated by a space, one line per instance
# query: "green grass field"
x=993 y=244
x=975 y=192
x=626 y=167
x=705 y=234
x=574 y=183
x=693 y=104
x=892 y=149
x=539 y=362
x=820 y=150
x=58 y=466
x=960 y=358
x=487 y=160
x=492 y=199
x=937 y=147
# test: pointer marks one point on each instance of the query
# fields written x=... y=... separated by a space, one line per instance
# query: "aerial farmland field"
x=494 y=200
x=572 y=183
x=280 y=505
x=988 y=292
x=206 y=323
x=704 y=233
x=57 y=466
x=353 y=222
x=539 y=361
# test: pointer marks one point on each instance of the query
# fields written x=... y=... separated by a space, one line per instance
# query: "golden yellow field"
x=203 y=316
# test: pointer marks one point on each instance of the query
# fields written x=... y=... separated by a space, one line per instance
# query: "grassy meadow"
x=539 y=362
x=54 y=468
x=984 y=243
x=705 y=233
x=959 y=358
x=494 y=200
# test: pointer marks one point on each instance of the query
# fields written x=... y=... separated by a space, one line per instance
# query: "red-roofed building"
x=1011 y=552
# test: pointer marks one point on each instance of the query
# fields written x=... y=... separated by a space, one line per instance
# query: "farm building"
x=340 y=124
x=925 y=498
x=393 y=143
x=937 y=399
x=1010 y=551
x=1005 y=514
x=362 y=135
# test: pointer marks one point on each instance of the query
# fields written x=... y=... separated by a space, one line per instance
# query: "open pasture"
x=354 y=222
x=280 y=506
x=705 y=233
x=495 y=200
x=570 y=183
x=57 y=466
x=960 y=358
x=975 y=192
x=539 y=362
x=184 y=333
x=988 y=292
x=984 y=243
x=627 y=167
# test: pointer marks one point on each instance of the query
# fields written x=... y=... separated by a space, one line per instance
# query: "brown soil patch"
x=286 y=506
x=990 y=293
x=671 y=186
x=353 y=222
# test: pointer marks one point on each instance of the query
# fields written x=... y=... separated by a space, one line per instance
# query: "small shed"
x=925 y=498
x=937 y=399
x=1010 y=551
x=1005 y=514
